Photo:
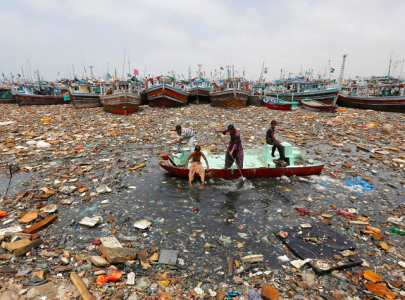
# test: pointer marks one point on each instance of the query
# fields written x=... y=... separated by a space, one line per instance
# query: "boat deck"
x=253 y=158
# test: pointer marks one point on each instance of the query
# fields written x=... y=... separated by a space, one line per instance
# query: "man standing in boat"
x=196 y=166
x=271 y=140
x=235 y=150
x=186 y=135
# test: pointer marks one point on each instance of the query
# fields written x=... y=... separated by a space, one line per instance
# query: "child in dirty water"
x=196 y=166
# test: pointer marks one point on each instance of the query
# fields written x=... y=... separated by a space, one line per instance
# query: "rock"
x=49 y=290
x=269 y=292
x=99 y=261
x=116 y=255
x=220 y=294
x=387 y=129
x=143 y=254
x=118 y=295
x=237 y=280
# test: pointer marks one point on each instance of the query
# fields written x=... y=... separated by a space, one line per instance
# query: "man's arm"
x=206 y=161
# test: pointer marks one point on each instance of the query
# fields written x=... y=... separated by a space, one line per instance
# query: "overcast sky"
x=164 y=35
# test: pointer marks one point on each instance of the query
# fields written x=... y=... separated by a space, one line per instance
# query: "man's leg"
x=273 y=150
x=191 y=143
x=201 y=172
x=191 y=173
x=239 y=159
x=228 y=160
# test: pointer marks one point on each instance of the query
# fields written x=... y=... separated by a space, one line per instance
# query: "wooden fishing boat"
x=317 y=106
x=122 y=100
x=31 y=99
x=199 y=95
x=257 y=163
x=166 y=93
x=254 y=100
x=255 y=96
x=85 y=96
x=298 y=90
x=6 y=96
x=231 y=94
x=274 y=103
x=384 y=97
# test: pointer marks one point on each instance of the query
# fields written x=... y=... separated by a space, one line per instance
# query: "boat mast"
x=261 y=74
x=342 y=70
x=389 y=66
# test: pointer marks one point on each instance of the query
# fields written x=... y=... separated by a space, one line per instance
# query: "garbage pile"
x=86 y=211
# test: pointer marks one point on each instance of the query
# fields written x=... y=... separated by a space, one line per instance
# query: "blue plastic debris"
x=366 y=186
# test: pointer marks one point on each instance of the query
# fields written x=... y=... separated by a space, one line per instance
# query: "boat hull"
x=199 y=96
x=388 y=104
x=40 y=99
x=229 y=99
x=5 y=100
x=121 y=104
x=278 y=106
x=318 y=106
x=166 y=97
x=255 y=100
x=85 y=100
x=325 y=96
x=248 y=173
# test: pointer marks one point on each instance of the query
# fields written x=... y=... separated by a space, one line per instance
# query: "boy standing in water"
x=196 y=166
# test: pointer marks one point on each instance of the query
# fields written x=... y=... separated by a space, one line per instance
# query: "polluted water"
x=121 y=216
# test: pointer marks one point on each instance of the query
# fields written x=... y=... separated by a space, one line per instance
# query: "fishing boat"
x=300 y=89
x=257 y=163
x=255 y=96
x=40 y=94
x=231 y=93
x=122 y=98
x=85 y=95
x=6 y=96
x=199 y=91
x=274 y=103
x=381 y=96
x=167 y=93
x=317 y=106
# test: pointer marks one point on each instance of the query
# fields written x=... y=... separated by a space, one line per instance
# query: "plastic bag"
x=103 y=279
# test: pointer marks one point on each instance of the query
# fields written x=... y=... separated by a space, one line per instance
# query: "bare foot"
x=202 y=185
x=191 y=184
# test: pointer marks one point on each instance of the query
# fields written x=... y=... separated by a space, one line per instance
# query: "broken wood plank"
x=28 y=248
x=81 y=287
x=41 y=225
x=137 y=167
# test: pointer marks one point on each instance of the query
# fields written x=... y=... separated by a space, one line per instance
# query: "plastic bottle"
x=302 y=211
x=340 y=276
x=397 y=230
x=345 y=213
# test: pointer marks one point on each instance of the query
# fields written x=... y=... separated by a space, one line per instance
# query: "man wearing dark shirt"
x=271 y=140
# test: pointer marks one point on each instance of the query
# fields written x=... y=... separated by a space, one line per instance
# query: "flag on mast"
x=136 y=72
